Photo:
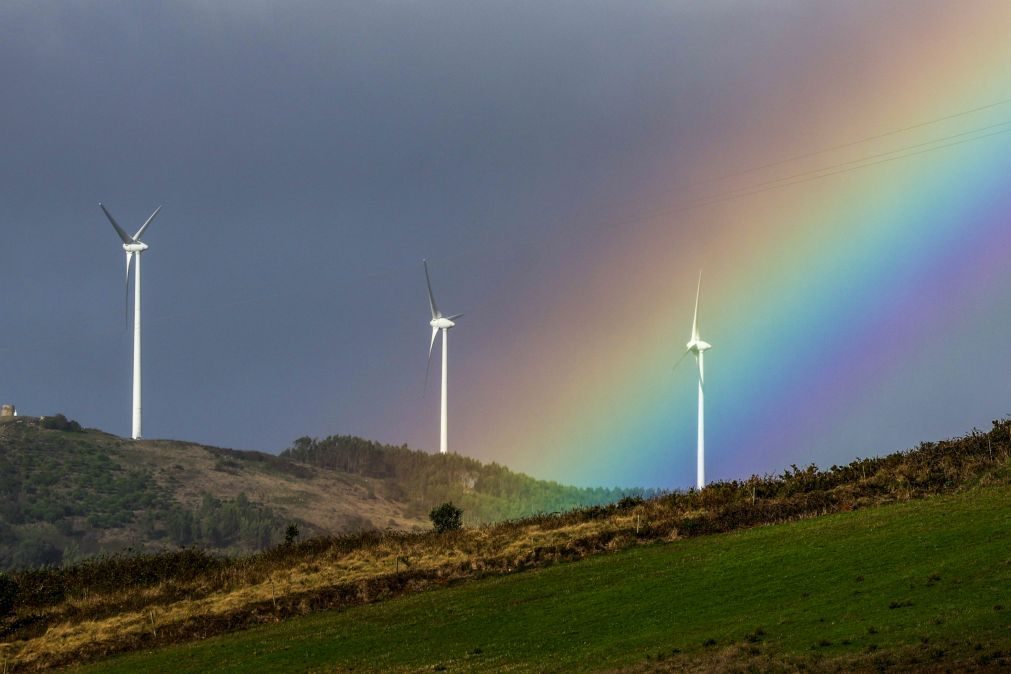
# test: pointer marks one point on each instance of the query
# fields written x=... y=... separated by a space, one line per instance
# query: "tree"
x=290 y=534
x=446 y=517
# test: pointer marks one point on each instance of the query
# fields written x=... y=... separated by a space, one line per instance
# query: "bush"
x=629 y=502
x=446 y=517
x=60 y=423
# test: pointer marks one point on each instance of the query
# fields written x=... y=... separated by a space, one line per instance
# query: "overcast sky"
x=307 y=156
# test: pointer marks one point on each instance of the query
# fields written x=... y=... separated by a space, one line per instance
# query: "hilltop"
x=944 y=500
x=68 y=493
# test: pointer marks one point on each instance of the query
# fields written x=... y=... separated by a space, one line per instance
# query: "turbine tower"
x=698 y=347
x=443 y=323
x=133 y=247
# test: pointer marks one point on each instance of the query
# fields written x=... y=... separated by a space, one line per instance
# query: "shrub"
x=290 y=534
x=60 y=423
x=629 y=502
x=446 y=517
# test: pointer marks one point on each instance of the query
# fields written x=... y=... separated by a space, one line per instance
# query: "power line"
x=875 y=163
x=817 y=174
x=867 y=158
x=841 y=146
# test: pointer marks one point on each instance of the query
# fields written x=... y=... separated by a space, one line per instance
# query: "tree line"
x=486 y=492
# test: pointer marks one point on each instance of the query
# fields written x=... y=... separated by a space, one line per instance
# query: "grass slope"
x=913 y=585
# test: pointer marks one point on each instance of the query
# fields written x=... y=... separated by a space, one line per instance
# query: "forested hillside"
x=68 y=493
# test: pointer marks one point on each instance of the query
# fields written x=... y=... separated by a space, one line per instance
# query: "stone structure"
x=8 y=411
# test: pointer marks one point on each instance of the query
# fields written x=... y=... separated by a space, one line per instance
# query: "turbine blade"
x=679 y=361
x=435 y=331
x=119 y=230
x=126 y=306
x=702 y=375
x=695 y=318
x=453 y=318
x=146 y=223
x=431 y=297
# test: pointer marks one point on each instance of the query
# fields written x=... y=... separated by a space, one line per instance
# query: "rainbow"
x=834 y=302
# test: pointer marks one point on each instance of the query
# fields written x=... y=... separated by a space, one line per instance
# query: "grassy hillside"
x=911 y=586
x=68 y=494
x=90 y=610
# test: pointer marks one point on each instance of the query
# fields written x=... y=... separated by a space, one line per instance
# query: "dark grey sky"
x=309 y=154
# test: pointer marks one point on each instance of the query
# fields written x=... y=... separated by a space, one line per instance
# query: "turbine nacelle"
x=441 y=323
x=696 y=346
x=135 y=247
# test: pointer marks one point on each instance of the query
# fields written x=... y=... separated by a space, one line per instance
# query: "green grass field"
x=930 y=580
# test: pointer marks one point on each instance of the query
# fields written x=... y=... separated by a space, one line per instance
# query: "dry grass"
x=273 y=593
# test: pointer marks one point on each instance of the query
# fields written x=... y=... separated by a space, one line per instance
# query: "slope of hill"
x=67 y=494
x=918 y=586
x=89 y=610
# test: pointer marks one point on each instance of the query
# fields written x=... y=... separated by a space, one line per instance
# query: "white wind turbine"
x=133 y=247
x=697 y=346
x=443 y=323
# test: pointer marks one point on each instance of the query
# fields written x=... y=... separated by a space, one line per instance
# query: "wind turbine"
x=443 y=323
x=133 y=247
x=698 y=347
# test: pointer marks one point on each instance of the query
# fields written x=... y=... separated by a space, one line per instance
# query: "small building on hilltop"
x=8 y=411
